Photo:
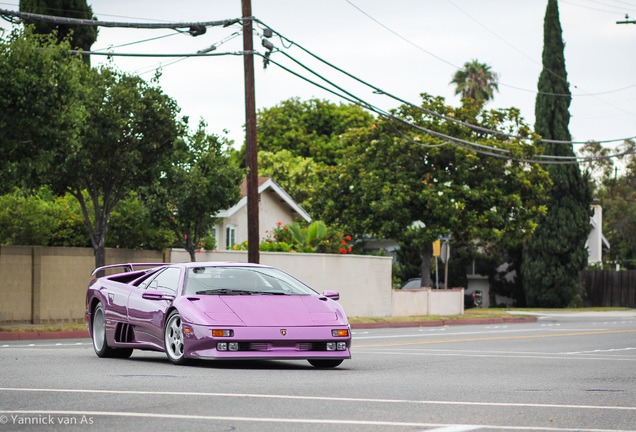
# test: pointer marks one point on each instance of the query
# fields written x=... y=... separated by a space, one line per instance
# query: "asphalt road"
x=563 y=373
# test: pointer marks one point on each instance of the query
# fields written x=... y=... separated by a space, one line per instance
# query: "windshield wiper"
x=227 y=291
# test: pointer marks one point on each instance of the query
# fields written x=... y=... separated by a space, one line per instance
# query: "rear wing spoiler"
x=129 y=266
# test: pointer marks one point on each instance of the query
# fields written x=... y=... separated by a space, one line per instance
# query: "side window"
x=167 y=281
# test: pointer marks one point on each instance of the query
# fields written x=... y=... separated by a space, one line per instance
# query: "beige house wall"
x=271 y=211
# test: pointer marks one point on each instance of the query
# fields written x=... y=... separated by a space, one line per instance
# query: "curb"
x=77 y=334
x=444 y=322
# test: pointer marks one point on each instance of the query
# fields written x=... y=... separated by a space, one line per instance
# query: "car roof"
x=218 y=264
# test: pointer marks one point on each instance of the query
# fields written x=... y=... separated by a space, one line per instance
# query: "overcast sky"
x=403 y=47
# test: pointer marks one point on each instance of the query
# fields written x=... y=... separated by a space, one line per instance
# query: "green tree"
x=476 y=81
x=41 y=106
x=130 y=227
x=297 y=175
x=82 y=37
x=309 y=129
x=41 y=219
x=556 y=252
x=413 y=187
x=617 y=195
x=198 y=185
x=126 y=142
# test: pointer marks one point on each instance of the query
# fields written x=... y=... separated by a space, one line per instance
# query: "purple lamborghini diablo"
x=215 y=310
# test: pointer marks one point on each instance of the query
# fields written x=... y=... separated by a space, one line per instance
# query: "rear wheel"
x=173 y=339
x=99 y=337
x=325 y=363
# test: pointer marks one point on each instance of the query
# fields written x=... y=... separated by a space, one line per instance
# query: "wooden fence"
x=609 y=288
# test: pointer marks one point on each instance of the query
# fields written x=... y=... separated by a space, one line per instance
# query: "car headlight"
x=222 y=333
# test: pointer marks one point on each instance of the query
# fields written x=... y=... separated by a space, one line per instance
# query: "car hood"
x=268 y=310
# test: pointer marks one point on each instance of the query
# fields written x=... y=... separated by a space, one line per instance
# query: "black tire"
x=99 y=337
x=173 y=339
x=325 y=363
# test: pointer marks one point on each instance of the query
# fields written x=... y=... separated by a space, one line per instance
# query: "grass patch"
x=468 y=314
x=44 y=328
x=479 y=313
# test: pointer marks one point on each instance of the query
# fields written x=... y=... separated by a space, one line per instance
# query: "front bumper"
x=266 y=342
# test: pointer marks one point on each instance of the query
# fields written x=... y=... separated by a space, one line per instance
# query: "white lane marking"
x=295 y=420
x=58 y=344
x=600 y=351
x=321 y=398
x=547 y=356
x=456 y=428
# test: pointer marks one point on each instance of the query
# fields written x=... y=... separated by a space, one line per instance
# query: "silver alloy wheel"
x=173 y=338
x=99 y=329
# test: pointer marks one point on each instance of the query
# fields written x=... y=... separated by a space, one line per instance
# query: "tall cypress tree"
x=82 y=37
x=556 y=253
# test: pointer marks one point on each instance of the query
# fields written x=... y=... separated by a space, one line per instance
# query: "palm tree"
x=475 y=81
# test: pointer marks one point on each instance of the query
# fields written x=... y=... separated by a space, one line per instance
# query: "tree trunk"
x=193 y=257
x=100 y=258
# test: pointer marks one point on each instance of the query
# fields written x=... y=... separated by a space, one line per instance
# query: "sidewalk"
x=36 y=335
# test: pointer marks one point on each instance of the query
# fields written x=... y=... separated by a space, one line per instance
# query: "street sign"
x=437 y=248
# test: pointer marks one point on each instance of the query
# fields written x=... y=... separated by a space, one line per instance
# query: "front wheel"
x=325 y=363
x=173 y=338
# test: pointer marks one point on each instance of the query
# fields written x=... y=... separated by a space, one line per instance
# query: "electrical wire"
x=430 y=112
x=505 y=41
x=96 y=23
x=140 y=41
x=160 y=55
x=467 y=145
x=471 y=146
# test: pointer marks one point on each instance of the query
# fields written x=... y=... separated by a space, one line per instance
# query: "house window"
x=230 y=237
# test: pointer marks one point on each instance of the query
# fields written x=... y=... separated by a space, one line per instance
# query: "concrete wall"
x=44 y=285
x=364 y=282
x=428 y=301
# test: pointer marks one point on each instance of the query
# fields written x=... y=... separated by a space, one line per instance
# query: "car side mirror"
x=156 y=295
x=333 y=295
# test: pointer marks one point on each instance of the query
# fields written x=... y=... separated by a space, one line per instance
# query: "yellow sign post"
x=437 y=248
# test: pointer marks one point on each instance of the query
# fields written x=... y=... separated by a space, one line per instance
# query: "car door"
x=148 y=315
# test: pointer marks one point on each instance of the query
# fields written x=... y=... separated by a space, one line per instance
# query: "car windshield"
x=242 y=281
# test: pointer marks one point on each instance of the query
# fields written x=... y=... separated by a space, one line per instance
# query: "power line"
x=96 y=23
x=505 y=41
x=478 y=148
x=467 y=145
x=160 y=55
x=433 y=113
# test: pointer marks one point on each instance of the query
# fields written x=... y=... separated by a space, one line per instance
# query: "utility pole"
x=251 y=148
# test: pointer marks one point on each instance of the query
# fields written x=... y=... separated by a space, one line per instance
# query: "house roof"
x=265 y=183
